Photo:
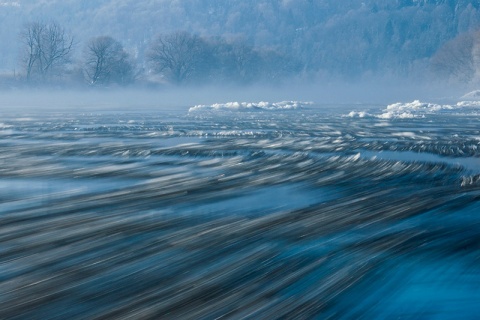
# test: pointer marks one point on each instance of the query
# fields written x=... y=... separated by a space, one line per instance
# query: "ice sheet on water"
x=250 y=106
x=412 y=109
x=462 y=104
x=416 y=109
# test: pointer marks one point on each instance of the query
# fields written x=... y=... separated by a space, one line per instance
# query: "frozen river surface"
x=253 y=210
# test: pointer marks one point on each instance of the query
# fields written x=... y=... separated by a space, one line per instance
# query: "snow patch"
x=251 y=106
x=473 y=95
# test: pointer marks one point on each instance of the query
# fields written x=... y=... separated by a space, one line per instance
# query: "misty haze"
x=194 y=159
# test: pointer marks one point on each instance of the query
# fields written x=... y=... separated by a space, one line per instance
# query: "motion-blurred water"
x=253 y=212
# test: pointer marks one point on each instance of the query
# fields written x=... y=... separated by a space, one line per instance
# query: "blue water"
x=298 y=214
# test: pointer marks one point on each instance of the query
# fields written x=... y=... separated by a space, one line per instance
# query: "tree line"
x=348 y=39
x=51 y=55
x=240 y=42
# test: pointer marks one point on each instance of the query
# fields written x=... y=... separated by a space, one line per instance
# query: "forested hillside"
x=348 y=38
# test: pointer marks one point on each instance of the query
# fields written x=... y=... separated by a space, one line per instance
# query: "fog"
x=178 y=98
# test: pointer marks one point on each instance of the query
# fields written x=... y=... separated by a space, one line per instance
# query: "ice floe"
x=251 y=106
x=417 y=109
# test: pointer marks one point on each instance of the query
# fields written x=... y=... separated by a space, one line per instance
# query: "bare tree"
x=179 y=56
x=47 y=47
x=106 y=62
x=57 y=47
x=32 y=38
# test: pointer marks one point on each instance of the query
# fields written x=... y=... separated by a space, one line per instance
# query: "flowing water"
x=258 y=211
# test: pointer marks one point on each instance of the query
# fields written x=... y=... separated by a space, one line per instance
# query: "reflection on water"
x=294 y=214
